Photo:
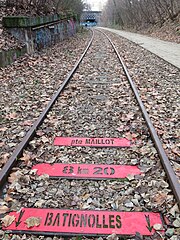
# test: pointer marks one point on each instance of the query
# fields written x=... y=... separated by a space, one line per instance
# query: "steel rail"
x=30 y=134
x=48 y=24
x=164 y=159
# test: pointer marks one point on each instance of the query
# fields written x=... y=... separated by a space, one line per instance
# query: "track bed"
x=97 y=104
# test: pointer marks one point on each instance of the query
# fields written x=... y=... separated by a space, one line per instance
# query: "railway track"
x=90 y=165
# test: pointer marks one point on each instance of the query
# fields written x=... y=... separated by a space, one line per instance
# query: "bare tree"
x=44 y=7
x=138 y=13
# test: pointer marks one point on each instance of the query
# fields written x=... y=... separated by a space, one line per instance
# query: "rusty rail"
x=30 y=134
x=164 y=159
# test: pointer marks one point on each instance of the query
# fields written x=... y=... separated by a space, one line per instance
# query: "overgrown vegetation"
x=43 y=7
x=140 y=13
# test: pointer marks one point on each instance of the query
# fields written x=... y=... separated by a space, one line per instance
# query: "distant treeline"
x=135 y=13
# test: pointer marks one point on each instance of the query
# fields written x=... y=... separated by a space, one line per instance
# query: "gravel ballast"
x=27 y=86
x=98 y=102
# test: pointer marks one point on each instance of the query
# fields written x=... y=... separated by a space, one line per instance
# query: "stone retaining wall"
x=36 y=33
x=7 y=57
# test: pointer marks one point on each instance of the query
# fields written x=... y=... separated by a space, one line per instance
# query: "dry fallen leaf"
x=121 y=128
x=176 y=223
x=26 y=158
x=32 y=221
x=3 y=209
x=39 y=133
x=85 y=196
x=112 y=237
x=8 y=220
x=8 y=199
x=130 y=116
x=12 y=115
x=130 y=177
x=5 y=157
x=3 y=129
x=44 y=139
x=129 y=136
x=2 y=144
x=108 y=103
x=14 y=176
x=160 y=198
x=158 y=227
x=39 y=203
x=176 y=151
x=174 y=210
x=27 y=123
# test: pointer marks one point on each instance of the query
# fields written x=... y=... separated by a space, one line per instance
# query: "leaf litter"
x=136 y=194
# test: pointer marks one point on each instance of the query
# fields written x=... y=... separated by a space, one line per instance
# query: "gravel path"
x=98 y=102
x=167 y=50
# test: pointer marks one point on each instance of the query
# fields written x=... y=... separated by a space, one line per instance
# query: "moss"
x=15 y=21
x=23 y=21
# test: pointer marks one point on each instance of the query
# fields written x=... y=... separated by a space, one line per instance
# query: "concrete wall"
x=91 y=15
x=47 y=36
x=36 y=33
x=44 y=36
x=7 y=57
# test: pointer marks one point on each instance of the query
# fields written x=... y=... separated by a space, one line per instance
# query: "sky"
x=96 y=4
